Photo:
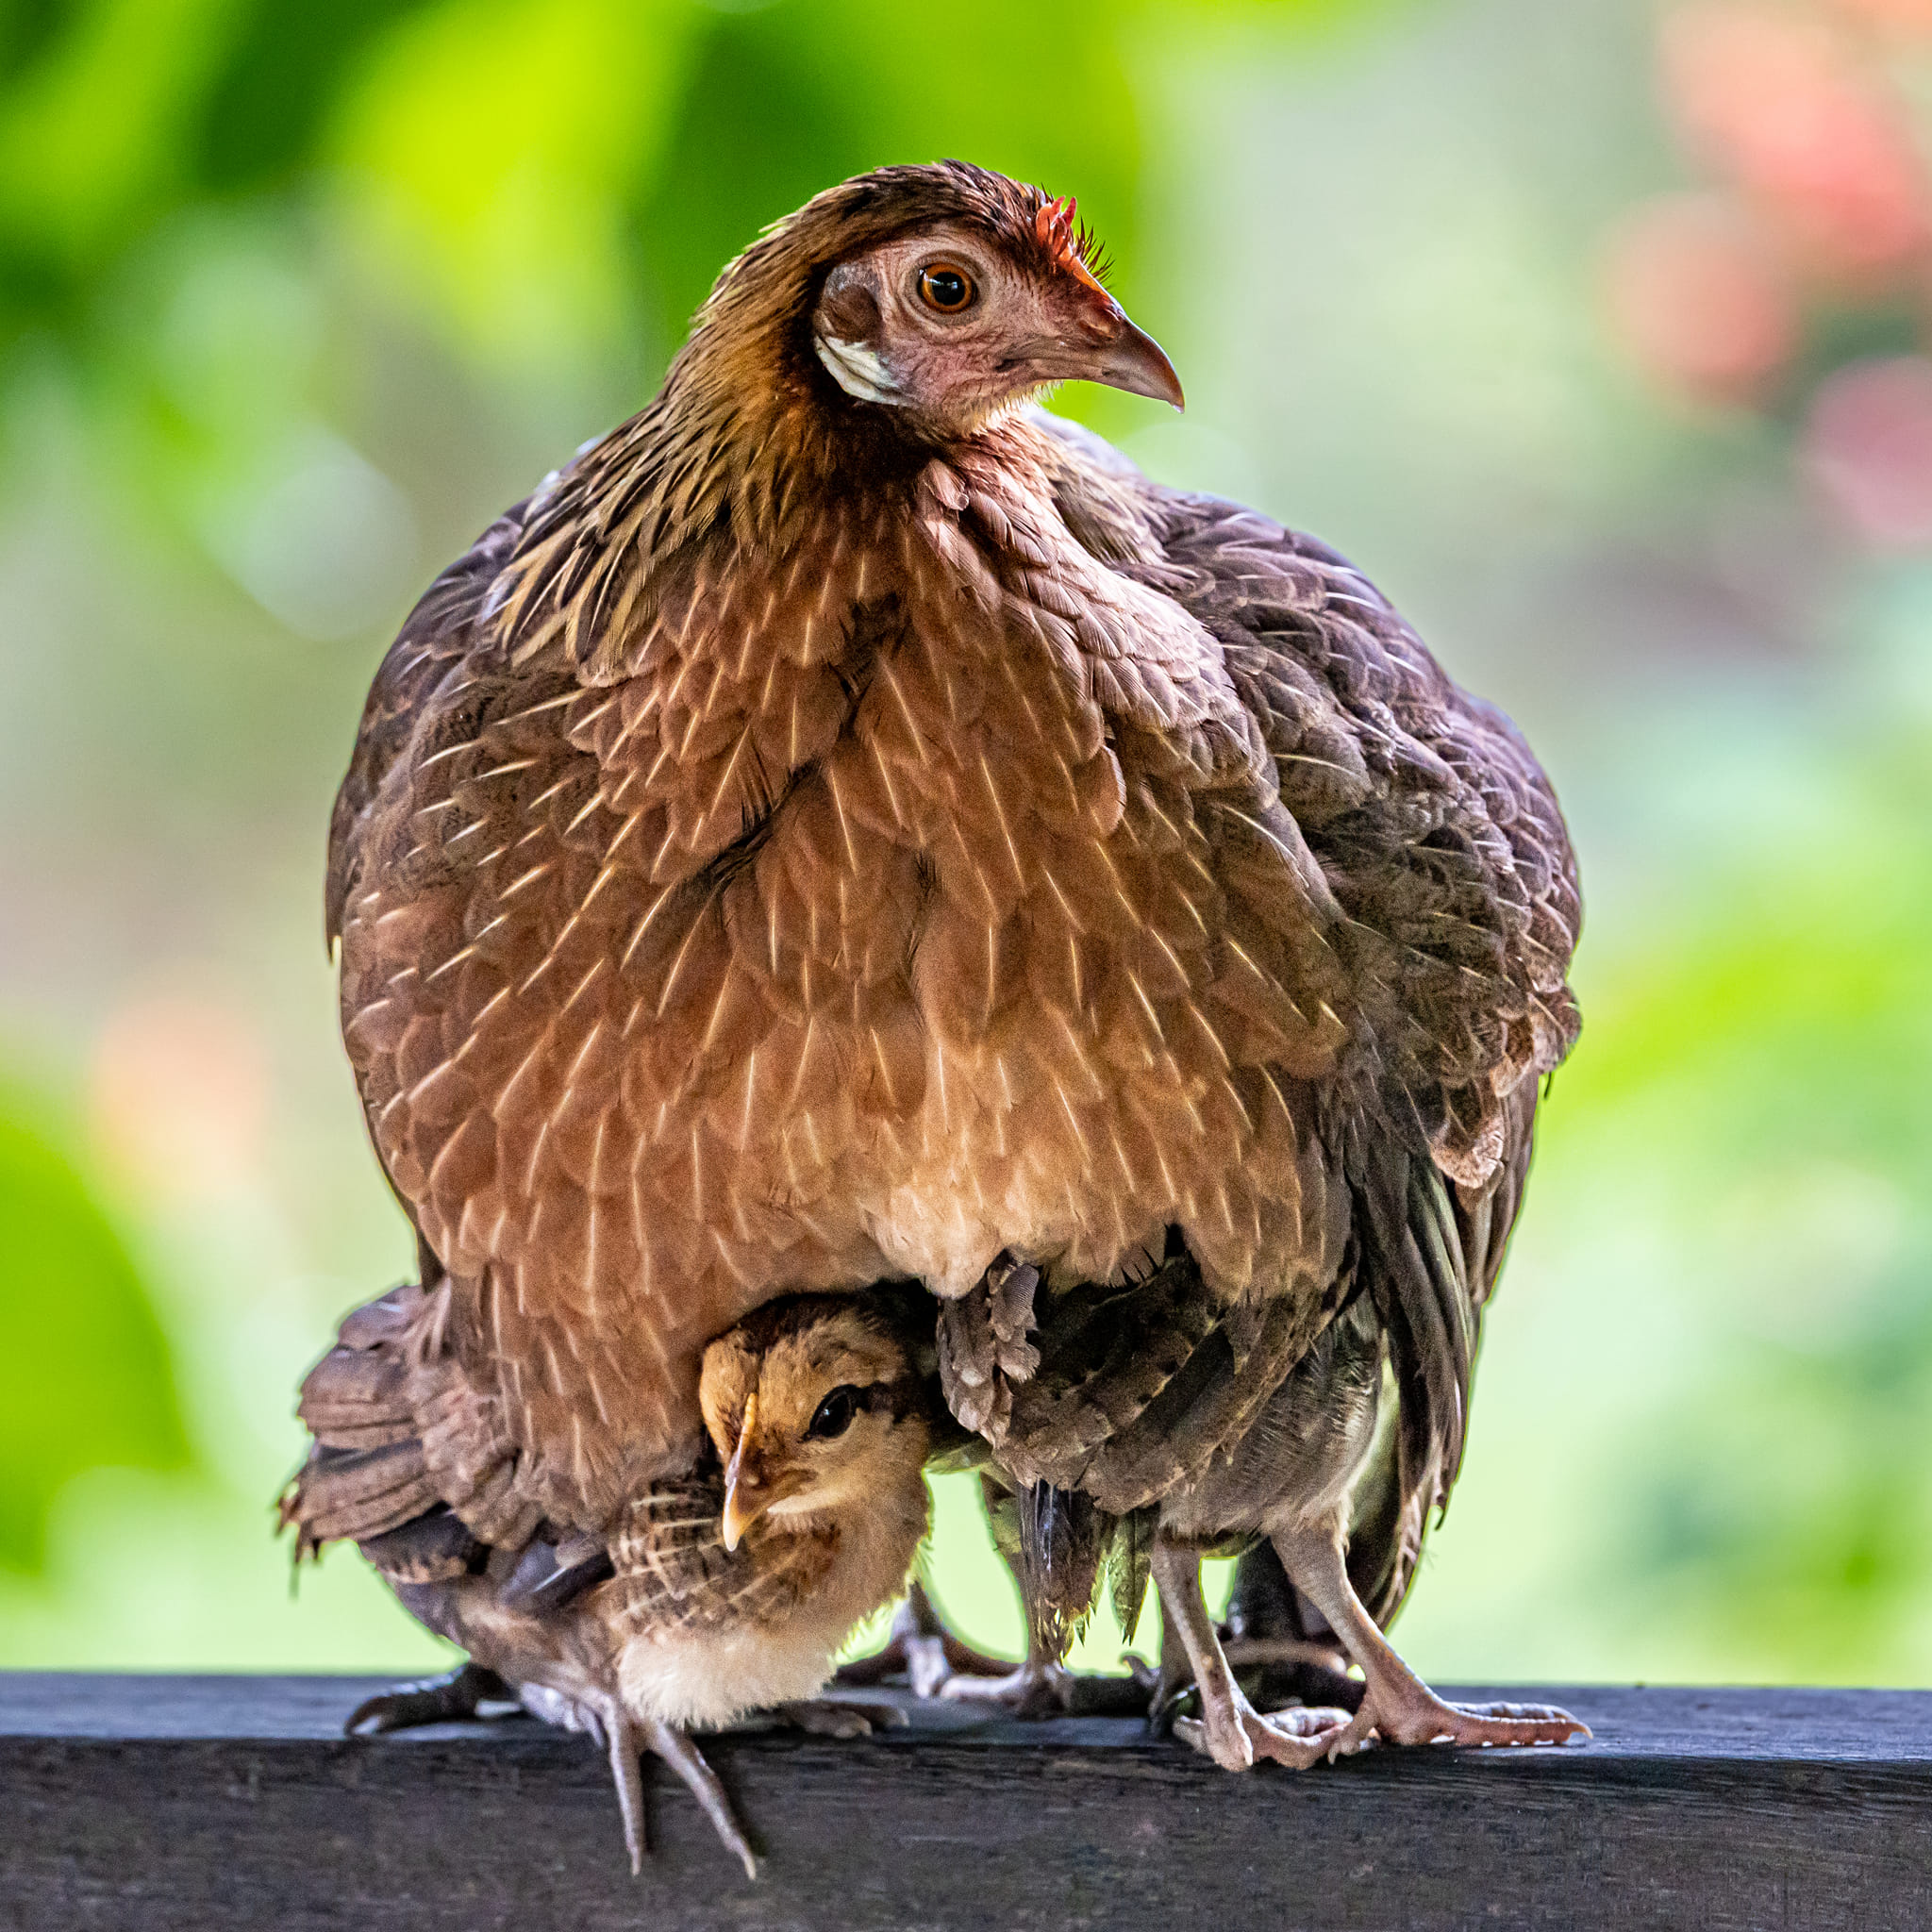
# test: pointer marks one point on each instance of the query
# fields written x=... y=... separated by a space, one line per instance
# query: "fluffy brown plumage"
x=722 y=1591
x=841 y=829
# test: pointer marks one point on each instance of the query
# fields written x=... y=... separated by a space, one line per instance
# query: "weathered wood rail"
x=138 y=1803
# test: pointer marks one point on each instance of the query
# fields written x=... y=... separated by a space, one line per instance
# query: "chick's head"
x=814 y=1405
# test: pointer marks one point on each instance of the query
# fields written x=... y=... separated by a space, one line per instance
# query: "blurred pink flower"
x=1909 y=17
x=1868 y=445
x=1699 y=298
x=179 y=1094
x=1782 y=104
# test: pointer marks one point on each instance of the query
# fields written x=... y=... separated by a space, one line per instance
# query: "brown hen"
x=844 y=826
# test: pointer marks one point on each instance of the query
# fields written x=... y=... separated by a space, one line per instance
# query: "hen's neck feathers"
x=744 y=440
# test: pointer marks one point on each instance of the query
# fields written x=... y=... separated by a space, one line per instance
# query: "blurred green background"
x=1594 y=331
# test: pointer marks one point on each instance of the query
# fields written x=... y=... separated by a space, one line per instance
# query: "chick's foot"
x=927 y=1657
x=919 y=1649
x=1035 y=1689
x=841 y=1717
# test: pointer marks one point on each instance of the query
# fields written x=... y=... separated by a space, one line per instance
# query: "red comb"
x=1065 y=245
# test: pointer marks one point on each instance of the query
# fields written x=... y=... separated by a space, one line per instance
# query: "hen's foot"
x=1409 y=1712
x=458 y=1696
x=1229 y=1729
x=1397 y=1706
x=1273 y=1671
x=1238 y=1736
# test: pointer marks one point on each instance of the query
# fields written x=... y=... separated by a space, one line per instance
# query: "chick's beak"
x=750 y=1488
x=738 y=1516
x=742 y=1506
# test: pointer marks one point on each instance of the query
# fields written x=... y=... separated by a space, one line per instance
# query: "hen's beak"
x=750 y=1488
x=1102 y=345
x=1136 y=363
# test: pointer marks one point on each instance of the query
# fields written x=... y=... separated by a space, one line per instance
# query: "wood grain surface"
x=213 y=1802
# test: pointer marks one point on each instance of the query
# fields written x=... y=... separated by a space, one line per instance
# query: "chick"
x=711 y=1596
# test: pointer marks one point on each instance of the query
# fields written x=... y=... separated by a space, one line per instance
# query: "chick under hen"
x=722 y=1592
x=844 y=826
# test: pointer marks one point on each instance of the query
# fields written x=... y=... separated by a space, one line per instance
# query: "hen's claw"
x=1237 y=1736
x=455 y=1697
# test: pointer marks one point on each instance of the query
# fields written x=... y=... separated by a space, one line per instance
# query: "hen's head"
x=814 y=1405
x=933 y=298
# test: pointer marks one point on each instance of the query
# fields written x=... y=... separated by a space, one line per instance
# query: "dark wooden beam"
x=138 y=1803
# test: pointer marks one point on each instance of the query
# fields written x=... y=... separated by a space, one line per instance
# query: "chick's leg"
x=840 y=1717
x=1397 y=1706
x=934 y=1663
x=1230 y=1730
x=687 y=1762
x=625 y=1738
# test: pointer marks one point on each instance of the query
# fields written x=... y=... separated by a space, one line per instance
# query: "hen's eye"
x=834 y=1415
x=946 y=288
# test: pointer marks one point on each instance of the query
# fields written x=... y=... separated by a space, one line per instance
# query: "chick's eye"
x=834 y=1415
x=946 y=288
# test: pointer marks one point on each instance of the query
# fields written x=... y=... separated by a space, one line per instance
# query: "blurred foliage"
x=1791 y=1047
x=1534 y=310
x=84 y=1379
x=541 y=164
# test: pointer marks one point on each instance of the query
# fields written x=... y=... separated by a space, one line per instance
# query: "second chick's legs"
x=936 y=1663
x=920 y=1648
x=1397 y=1706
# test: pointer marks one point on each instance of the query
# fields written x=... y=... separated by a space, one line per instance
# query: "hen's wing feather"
x=1440 y=837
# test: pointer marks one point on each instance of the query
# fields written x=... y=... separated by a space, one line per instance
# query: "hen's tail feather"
x=367 y=1478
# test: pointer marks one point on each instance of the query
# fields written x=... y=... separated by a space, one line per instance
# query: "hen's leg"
x=1397 y=1706
x=1230 y=1729
x=456 y=1695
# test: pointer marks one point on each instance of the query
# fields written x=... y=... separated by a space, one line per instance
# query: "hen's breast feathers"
x=1025 y=856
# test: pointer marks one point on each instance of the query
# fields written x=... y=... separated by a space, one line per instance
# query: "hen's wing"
x=1442 y=840
x=505 y=916
x=375 y=1477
